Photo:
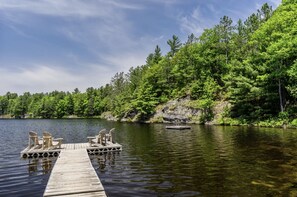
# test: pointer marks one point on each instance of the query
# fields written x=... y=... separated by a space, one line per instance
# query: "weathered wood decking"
x=74 y=175
x=36 y=152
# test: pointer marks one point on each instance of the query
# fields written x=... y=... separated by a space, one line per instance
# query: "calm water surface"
x=204 y=161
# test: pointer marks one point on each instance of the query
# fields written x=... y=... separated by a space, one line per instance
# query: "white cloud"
x=46 y=78
x=42 y=78
x=195 y=22
x=164 y=2
x=113 y=42
x=124 y=61
x=275 y=3
x=208 y=14
x=64 y=8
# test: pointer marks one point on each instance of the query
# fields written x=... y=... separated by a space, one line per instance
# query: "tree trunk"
x=280 y=95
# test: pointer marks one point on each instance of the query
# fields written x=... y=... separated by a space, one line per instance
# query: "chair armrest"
x=90 y=139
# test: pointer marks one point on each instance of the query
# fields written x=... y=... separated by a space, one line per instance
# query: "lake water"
x=203 y=161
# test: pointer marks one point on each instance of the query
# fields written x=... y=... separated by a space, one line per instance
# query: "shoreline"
x=255 y=125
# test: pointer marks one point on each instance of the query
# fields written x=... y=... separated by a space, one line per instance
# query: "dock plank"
x=74 y=175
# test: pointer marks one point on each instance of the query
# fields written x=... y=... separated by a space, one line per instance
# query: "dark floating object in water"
x=178 y=127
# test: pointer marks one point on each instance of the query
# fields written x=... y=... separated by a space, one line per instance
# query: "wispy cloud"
x=208 y=13
x=125 y=60
x=41 y=78
x=164 y=2
x=64 y=8
x=196 y=21
x=275 y=3
x=47 y=78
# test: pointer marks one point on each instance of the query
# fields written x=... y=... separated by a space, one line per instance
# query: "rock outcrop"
x=108 y=116
x=176 y=111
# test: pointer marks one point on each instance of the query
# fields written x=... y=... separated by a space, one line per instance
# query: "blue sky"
x=49 y=45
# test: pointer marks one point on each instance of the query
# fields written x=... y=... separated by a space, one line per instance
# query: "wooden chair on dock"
x=49 y=142
x=98 y=139
x=111 y=135
x=33 y=140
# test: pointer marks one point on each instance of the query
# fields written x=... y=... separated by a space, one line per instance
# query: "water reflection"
x=104 y=160
x=32 y=165
x=43 y=165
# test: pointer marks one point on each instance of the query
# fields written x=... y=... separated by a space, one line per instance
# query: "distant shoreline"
x=7 y=117
x=285 y=126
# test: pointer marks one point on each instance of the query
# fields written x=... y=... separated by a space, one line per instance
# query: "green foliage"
x=292 y=74
x=61 y=109
x=3 y=105
x=174 y=44
x=294 y=123
x=205 y=105
x=272 y=122
x=231 y=121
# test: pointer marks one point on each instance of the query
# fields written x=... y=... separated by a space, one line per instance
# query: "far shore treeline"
x=249 y=63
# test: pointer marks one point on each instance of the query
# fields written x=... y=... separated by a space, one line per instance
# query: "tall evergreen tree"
x=174 y=44
x=157 y=54
x=226 y=30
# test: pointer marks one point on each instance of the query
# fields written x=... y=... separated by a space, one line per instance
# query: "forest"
x=250 y=63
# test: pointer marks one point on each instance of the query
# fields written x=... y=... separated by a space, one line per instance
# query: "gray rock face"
x=108 y=116
x=176 y=111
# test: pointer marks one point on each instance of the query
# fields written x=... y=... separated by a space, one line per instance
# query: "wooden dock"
x=74 y=175
x=92 y=150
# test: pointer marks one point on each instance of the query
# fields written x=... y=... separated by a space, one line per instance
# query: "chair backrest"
x=45 y=133
x=47 y=139
x=112 y=135
x=32 y=134
x=102 y=131
x=101 y=136
x=111 y=130
x=33 y=138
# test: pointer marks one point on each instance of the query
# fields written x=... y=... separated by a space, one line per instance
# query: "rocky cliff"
x=177 y=111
